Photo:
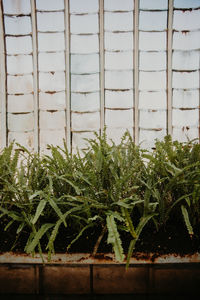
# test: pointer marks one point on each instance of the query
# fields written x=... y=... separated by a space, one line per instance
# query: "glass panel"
x=183 y=134
x=185 y=117
x=80 y=6
x=18 y=45
x=118 y=79
x=153 y=100
x=20 y=84
x=84 y=44
x=119 y=118
x=118 y=60
x=152 y=119
x=51 y=61
x=147 y=137
x=52 y=120
x=22 y=103
x=78 y=139
x=23 y=138
x=118 y=41
x=51 y=41
x=152 y=80
x=152 y=61
x=16 y=6
x=85 y=102
x=186 y=41
x=51 y=137
x=154 y=4
x=85 y=83
x=17 y=25
x=185 y=60
x=84 y=23
x=119 y=99
x=153 y=20
x=52 y=101
x=152 y=41
x=50 y=21
x=118 y=21
x=185 y=80
x=19 y=64
x=183 y=98
x=53 y=81
x=86 y=121
x=84 y=63
x=186 y=3
x=116 y=5
x=21 y=122
x=50 y=4
x=115 y=134
x=186 y=20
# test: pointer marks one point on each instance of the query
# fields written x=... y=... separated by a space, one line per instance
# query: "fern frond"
x=187 y=220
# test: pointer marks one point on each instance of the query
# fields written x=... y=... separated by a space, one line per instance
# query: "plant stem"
x=99 y=240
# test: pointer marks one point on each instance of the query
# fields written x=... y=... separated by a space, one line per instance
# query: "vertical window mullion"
x=35 y=76
x=136 y=71
x=169 y=66
x=67 y=74
x=102 y=63
x=3 y=88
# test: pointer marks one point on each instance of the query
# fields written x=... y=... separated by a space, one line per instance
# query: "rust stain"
x=52 y=110
x=52 y=72
x=185 y=32
x=50 y=92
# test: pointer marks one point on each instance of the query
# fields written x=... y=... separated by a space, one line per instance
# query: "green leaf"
x=129 y=223
x=187 y=220
x=39 y=210
x=57 y=210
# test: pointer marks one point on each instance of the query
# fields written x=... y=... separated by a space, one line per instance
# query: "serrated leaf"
x=187 y=220
x=39 y=210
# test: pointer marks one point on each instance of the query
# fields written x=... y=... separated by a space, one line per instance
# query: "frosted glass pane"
x=85 y=102
x=84 y=23
x=118 y=21
x=51 y=41
x=51 y=137
x=84 y=63
x=152 y=119
x=118 y=60
x=153 y=100
x=147 y=137
x=52 y=120
x=78 y=139
x=153 y=20
x=152 y=41
x=84 y=44
x=25 y=139
x=154 y=4
x=115 y=134
x=52 y=81
x=49 y=101
x=119 y=118
x=85 y=83
x=16 y=6
x=185 y=60
x=186 y=41
x=152 y=61
x=118 y=41
x=184 y=134
x=18 y=45
x=17 y=25
x=19 y=64
x=51 y=61
x=185 y=117
x=118 y=79
x=185 y=80
x=80 y=6
x=22 y=122
x=152 y=80
x=22 y=103
x=186 y=20
x=20 y=84
x=186 y=3
x=183 y=98
x=50 y=21
x=116 y=5
x=119 y=99
x=50 y=4
x=86 y=121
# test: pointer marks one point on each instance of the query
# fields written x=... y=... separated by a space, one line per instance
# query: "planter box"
x=83 y=274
